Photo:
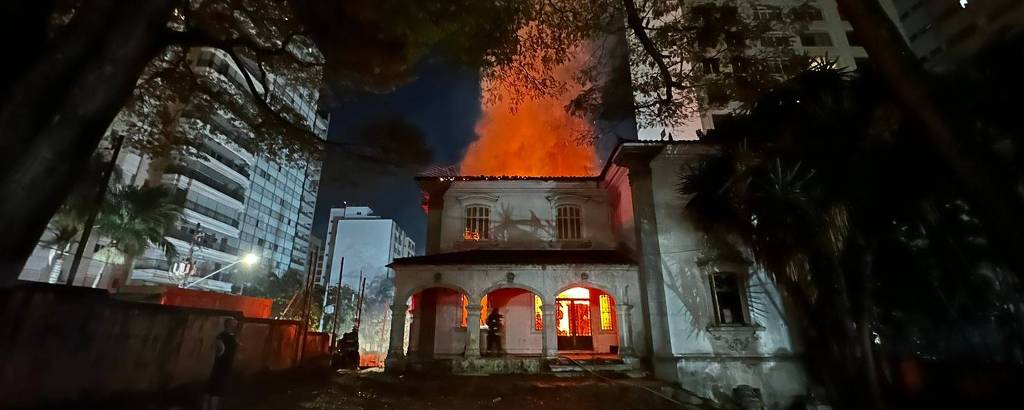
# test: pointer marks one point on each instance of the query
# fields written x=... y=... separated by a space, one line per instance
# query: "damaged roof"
x=520 y=257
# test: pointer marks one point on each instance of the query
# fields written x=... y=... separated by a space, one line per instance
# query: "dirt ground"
x=368 y=390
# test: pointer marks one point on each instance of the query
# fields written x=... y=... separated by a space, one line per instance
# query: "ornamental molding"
x=477 y=198
x=567 y=199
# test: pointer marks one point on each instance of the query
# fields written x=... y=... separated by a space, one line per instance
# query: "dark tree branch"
x=636 y=23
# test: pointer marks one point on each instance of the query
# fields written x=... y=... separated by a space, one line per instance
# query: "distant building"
x=234 y=201
x=368 y=243
x=945 y=32
x=827 y=35
x=237 y=202
x=315 y=259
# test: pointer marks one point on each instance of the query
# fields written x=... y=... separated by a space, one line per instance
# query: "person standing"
x=494 y=332
x=224 y=350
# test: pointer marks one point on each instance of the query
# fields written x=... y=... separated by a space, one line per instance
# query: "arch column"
x=472 y=331
x=414 y=330
x=549 y=338
x=396 y=349
x=624 y=316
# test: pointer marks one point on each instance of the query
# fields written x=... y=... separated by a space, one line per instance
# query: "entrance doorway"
x=574 y=329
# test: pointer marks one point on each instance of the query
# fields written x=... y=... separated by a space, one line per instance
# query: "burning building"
x=603 y=265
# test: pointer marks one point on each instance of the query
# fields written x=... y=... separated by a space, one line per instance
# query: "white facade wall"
x=522 y=214
x=709 y=359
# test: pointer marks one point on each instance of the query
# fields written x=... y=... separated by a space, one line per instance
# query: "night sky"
x=443 y=102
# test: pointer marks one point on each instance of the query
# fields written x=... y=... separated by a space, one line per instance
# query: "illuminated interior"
x=573 y=314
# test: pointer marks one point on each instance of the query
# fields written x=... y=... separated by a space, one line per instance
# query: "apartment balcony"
x=201 y=253
x=186 y=178
x=195 y=213
x=230 y=137
x=160 y=272
x=208 y=241
x=234 y=170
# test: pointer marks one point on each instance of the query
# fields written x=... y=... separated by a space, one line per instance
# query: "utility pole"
x=323 y=315
x=197 y=239
x=337 y=303
x=91 y=220
x=307 y=291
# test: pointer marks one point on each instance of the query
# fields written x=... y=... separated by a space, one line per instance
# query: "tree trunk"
x=55 y=116
x=908 y=84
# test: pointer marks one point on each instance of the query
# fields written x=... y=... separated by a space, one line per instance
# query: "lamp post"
x=248 y=260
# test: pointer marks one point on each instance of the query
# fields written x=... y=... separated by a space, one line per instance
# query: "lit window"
x=478 y=223
x=568 y=222
x=538 y=314
x=464 y=317
x=728 y=298
x=607 y=314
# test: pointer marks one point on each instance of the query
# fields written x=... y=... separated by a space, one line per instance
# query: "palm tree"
x=64 y=228
x=67 y=224
x=822 y=182
x=133 y=220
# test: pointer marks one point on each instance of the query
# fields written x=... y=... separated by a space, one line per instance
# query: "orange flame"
x=537 y=137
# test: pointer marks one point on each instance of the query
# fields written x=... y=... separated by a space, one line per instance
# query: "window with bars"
x=568 y=221
x=478 y=223
x=607 y=314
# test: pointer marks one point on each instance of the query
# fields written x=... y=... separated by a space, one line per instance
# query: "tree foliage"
x=684 y=57
x=827 y=184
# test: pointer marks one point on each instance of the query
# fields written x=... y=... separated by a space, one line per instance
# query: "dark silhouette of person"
x=494 y=332
x=224 y=356
x=348 y=349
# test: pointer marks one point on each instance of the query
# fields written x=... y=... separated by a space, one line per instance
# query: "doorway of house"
x=573 y=318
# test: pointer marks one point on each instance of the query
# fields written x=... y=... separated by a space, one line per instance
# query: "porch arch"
x=505 y=285
x=580 y=284
x=407 y=293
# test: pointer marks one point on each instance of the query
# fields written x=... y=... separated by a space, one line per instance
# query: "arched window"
x=478 y=223
x=568 y=222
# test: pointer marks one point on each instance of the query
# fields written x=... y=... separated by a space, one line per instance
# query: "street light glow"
x=250 y=259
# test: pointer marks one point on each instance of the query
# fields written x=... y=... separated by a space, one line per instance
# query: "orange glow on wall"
x=464 y=317
x=575 y=293
x=538 y=314
x=536 y=137
x=607 y=313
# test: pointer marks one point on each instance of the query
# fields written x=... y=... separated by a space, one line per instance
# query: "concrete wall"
x=522 y=214
x=60 y=344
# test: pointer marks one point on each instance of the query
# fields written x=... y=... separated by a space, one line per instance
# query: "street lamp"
x=248 y=259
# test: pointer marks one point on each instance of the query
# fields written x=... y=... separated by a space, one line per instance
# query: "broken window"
x=568 y=222
x=478 y=223
x=728 y=293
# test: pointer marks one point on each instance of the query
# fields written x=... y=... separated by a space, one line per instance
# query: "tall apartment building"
x=236 y=202
x=828 y=35
x=315 y=261
x=368 y=244
x=944 y=32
